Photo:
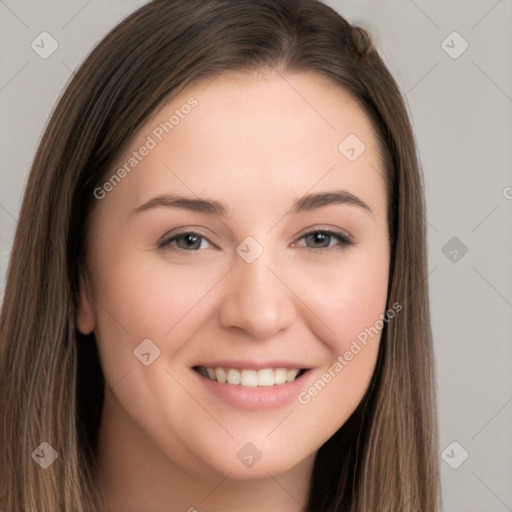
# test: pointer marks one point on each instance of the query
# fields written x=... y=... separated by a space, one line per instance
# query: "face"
x=248 y=241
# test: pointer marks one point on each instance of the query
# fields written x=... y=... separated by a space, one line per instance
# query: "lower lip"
x=257 y=398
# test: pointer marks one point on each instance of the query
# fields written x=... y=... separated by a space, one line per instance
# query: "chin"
x=255 y=460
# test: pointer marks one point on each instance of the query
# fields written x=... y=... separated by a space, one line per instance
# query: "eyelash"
x=345 y=240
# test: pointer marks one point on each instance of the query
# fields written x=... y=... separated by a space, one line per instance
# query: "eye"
x=191 y=241
x=187 y=241
x=321 y=239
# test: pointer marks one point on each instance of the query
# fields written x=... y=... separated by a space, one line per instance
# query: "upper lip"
x=252 y=365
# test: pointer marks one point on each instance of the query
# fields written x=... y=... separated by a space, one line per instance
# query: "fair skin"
x=256 y=142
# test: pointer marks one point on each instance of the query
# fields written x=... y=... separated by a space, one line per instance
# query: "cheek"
x=349 y=293
x=148 y=295
x=349 y=296
x=350 y=302
x=140 y=297
x=359 y=300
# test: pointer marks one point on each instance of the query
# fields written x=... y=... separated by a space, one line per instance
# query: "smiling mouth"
x=266 y=377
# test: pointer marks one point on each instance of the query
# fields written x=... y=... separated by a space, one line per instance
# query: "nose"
x=258 y=300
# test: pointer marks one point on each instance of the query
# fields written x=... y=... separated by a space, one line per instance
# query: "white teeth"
x=233 y=376
x=280 y=376
x=220 y=374
x=248 y=378
x=265 y=377
x=291 y=374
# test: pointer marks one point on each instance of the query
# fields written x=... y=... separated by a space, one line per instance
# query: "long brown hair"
x=385 y=457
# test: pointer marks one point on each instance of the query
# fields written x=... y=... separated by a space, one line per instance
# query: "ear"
x=85 y=318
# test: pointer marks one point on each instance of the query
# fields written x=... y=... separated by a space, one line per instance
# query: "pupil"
x=190 y=240
x=320 y=237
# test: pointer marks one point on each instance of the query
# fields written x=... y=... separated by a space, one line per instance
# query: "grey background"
x=461 y=110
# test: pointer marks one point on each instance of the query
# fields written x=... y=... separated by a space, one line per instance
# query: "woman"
x=172 y=335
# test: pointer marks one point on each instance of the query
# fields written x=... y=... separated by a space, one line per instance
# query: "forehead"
x=256 y=132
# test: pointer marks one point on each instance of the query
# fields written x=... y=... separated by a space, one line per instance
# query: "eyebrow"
x=221 y=209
